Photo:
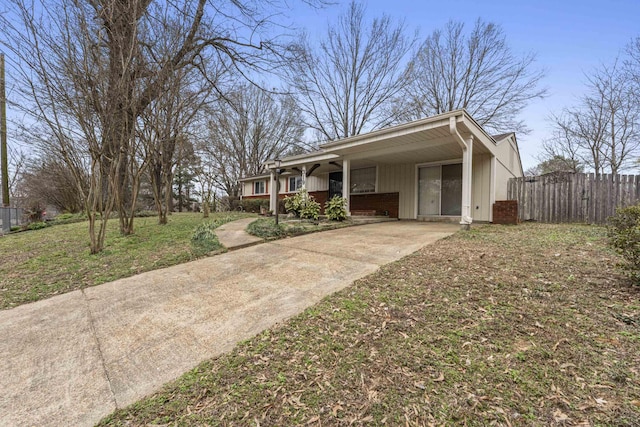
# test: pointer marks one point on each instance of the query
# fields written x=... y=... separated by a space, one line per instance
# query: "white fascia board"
x=478 y=133
x=254 y=178
x=403 y=129
x=300 y=160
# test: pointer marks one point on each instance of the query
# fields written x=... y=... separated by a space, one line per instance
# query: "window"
x=363 y=180
x=295 y=182
x=259 y=187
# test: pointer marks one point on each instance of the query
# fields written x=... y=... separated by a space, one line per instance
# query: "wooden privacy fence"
x=573 y=197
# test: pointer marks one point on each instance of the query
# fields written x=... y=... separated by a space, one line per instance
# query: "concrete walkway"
x=74 y=358
x=233 y=234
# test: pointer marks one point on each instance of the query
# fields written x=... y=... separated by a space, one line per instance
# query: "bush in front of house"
x=336 y=208
x=623 y=231
x=254 y=205
x=266 y=228
x=302 y=205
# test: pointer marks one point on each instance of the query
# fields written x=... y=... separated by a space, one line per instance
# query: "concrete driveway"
x=74 y=358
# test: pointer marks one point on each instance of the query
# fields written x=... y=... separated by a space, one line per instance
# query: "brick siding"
x=380 y=202
x=505 y=212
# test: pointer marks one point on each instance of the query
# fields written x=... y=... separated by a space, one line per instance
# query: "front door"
x=440 y=190
x=335 y=184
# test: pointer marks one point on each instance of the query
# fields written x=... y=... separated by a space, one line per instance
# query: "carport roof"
x=425 y=140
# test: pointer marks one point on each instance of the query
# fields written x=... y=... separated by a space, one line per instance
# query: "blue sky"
x=569 y=38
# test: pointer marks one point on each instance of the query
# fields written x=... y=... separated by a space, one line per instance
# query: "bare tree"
x=603 y=129
x=93 y=68
x=632 y=64
x=206 y=179
x=47 y=180
x=163 y=128
x=17 y=166
x=475 y=71
x=346 y=84
x=247 y=129
x=560 y=152
x=556 y=163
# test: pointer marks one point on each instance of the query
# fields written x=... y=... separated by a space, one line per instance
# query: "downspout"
x=467 y=158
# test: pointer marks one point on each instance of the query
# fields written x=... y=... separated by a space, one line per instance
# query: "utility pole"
x=4 y=155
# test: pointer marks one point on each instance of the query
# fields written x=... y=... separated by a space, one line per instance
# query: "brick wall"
x=380 y=202
x=505 y=212
x=321 y=197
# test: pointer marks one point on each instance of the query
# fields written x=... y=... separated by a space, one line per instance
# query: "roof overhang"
x=427 y=140
x=254 y=178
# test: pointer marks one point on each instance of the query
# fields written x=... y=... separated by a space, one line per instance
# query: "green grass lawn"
x=525 y=325
x=42 y=263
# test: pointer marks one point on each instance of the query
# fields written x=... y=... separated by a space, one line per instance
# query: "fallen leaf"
x=440 y=378
x=560 y=416
x=600 y=401
x=336 y=409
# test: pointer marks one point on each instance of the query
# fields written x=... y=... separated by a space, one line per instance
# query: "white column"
x=273 y=193
x=492 y=187
x=467 y=173
x=346 y=183
x=304 y=177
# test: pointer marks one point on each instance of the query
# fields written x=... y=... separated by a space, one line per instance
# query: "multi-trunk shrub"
x=623 y=231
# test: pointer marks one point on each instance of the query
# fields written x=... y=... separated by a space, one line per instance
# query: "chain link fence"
x=10 y=217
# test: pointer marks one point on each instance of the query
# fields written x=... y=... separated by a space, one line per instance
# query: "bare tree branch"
x=603 y=129
x=345 y=86
x=254 y=127
x=477 y=72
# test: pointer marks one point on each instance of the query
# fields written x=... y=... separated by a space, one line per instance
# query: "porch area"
x=440 y=168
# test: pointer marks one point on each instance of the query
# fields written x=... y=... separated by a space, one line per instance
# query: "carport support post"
x=467 y=173
x=346 y=184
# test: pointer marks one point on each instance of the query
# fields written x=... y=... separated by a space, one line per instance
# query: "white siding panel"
x=507 y=155
x=399 y=178
x=247 y=189
x=480 y=195
x=318 y=182
x=502 y=180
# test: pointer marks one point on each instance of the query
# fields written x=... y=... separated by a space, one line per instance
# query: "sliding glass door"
x=440 y=190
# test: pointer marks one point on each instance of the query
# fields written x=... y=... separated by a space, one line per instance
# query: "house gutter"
x=467 y=159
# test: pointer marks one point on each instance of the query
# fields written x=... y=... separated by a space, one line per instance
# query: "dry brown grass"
x=514 y=326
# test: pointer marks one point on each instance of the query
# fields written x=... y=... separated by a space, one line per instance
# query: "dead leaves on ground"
x=505 y=326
